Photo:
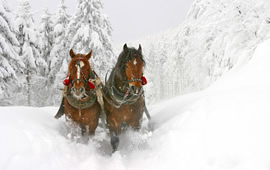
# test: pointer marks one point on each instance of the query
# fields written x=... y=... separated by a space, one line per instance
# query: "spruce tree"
x=29 y=50
x=10 y=63
x=91 y=30
x=46 y=38
x=59 y=55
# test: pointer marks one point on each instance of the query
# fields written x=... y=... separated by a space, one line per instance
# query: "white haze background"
x=208 y=94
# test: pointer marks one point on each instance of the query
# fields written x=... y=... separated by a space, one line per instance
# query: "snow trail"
x=224 y=127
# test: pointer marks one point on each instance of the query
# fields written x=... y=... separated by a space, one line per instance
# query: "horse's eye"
x=126 y=66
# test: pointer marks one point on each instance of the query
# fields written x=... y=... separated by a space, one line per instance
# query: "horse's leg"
x=91 y=131
x=103 y=118
x=115 y=138
x=93 y=125
x=83 y=129
x=124 y=126
x=114 y=141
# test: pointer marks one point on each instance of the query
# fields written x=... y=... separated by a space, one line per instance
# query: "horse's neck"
x=119 y=84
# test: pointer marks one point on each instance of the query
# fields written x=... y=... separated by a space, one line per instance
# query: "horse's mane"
x=127 y=55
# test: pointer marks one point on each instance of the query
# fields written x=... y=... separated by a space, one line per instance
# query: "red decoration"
x=66 y=82
x=91 y=85
x=144 y=81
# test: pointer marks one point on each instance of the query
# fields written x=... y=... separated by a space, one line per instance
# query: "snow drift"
x=224 y=127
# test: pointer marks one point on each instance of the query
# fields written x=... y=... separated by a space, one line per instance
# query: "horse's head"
x=134 y=64
x=79 y=74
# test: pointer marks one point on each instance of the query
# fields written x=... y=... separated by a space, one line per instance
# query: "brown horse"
x=80 y=100
x=124 y=95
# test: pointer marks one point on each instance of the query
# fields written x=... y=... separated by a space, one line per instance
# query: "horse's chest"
x=128 y=112
x=84 y=116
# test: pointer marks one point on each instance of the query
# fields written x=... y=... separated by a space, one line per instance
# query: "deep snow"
x=224 y=127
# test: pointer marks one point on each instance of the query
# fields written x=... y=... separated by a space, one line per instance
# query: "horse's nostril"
x=81 y=89
x=133 y=88
x=73 y=89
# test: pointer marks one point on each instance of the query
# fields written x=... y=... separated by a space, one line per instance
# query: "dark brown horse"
x=80 y=100
x=124 y=95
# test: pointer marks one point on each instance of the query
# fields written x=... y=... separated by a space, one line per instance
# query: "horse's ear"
x=125 y=47
x=88 y=56
x=71 y=53
x=140 y=48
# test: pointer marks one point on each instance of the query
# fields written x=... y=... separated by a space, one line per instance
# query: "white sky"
x=130 y=19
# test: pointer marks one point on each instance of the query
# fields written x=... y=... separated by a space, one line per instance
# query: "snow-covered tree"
x=46 y=38
x=29 y=47
x=60 y=47
x=91 y=30
x=59 y=55
x=10 y=63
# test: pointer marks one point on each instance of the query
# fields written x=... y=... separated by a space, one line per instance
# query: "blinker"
x=66 y=82
x=144 y=81
x=91 y=85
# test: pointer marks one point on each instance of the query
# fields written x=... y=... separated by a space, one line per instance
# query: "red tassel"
x=144 y=81
x=66 y=82
x=91 y=85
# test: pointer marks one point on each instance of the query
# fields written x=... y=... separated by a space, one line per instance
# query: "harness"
x=118 y=97
x=94 y=95
x=133 y=80
x=81 y=104
x=92 y=75
x=91 y=96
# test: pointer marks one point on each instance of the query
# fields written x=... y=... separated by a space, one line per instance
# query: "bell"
x=66 y=82
x=144 y=81
x=91 y=85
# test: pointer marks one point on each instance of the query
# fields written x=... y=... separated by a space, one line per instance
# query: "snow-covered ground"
x=226 y=126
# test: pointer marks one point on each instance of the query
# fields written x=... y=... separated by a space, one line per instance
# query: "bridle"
x=119 y=97
x=86 y=81
x=79 y=66
x=134 y=80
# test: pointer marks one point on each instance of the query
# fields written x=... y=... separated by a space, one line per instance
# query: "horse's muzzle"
x=135 y=90
x=78 y=92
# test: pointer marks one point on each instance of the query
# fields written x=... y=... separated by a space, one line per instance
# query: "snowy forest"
x=216 y=37
x=208 y=89
x=213 y=40
x=34 y=57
